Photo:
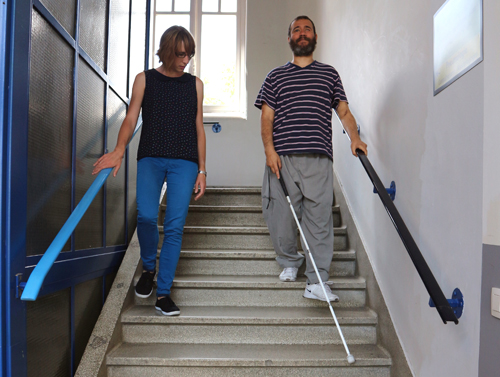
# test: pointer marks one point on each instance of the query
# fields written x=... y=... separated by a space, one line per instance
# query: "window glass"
x=210 y=6
x=229 y=6
x=164 y=5
x=218 y=54
x=182 y=5
x=218 y=27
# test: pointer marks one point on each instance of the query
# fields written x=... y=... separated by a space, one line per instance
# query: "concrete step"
x=226 y=215
x=248 y=325
x=251 y=262
x=253 y=238
x=246 y=360
x=230 y=196
x=204 y=290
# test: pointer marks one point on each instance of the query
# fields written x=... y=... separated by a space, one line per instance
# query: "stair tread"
x=223 y=208
x=342 y=230
x=260 y=282
x=227 y=315
x=233 y=208
x=252 y=254
x=164 y=354
x=232 y=190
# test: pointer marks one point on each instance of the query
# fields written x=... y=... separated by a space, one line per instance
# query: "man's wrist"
x=355 y=137
x=269 y=150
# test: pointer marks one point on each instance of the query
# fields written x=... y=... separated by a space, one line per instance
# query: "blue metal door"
x=84 y=261
x=14 y=62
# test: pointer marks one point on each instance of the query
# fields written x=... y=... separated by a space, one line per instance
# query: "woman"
x=172 y=147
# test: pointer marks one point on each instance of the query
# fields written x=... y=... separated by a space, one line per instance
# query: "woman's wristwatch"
x=202 y=172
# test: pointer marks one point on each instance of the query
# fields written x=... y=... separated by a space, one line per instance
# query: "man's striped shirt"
x=302 y=100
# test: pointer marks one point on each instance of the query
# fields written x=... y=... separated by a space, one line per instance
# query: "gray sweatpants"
x=309 y=181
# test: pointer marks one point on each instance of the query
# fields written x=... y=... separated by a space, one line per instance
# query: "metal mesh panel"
x=137 y=41
x=88 y=305
x=89 y=146
x=49 y=136
x=118 y=45
x=48 y=330
x=132 y=184
x=64 y=11
x=93 y=31
x=115 y=186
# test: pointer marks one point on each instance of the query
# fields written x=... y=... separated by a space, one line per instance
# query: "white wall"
x=491 y=183
x=432 y=147
x=235 y=156
x=489 y=363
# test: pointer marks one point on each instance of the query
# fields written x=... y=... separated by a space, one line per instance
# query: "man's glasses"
x=182 y=55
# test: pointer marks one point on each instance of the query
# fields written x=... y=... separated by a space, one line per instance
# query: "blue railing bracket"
x=456 y=302
x=19 y=285
x=216 y=126
x=391 y=190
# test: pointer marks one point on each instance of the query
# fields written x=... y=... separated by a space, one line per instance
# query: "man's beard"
x=306 y=50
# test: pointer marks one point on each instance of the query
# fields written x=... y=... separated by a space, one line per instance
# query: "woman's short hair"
x=170 y=43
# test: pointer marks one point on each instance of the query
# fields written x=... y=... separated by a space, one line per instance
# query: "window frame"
x=239 y=110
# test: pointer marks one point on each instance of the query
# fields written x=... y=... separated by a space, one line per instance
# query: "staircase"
x=237 y=318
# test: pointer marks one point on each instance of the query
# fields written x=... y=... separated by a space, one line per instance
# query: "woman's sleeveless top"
x=169 y=109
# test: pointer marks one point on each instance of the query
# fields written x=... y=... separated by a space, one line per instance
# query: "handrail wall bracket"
x=19 y=285
x=216 y=126
x=391 y=190
x=456 y=302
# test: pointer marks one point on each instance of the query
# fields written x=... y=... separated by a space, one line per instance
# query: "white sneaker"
x=289 y=274
x=315 y=292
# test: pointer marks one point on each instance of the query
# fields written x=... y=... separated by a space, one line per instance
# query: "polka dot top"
x=169 y=112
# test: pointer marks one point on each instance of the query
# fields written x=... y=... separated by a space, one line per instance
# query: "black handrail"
x=442 y=305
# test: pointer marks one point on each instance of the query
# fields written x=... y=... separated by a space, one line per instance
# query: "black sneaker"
x=144 y=286
x=167 y=306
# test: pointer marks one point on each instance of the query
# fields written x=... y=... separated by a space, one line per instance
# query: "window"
x=219 y=29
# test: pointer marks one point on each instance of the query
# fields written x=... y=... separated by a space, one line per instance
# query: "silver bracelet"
x=202 y=172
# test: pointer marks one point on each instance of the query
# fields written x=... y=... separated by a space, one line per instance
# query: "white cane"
x=350 y=358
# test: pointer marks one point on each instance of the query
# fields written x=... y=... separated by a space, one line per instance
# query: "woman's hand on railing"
x=200 y=185
x=109 y=160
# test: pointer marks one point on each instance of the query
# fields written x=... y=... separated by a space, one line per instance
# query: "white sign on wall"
x=458 y=40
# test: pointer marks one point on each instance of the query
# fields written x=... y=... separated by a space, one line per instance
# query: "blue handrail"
x=35 y=281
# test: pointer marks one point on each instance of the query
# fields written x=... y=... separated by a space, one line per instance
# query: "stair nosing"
x=264 y=358
x=139 y=314
x=268 y=283
x=341 y=255
x=233 y=208
x=251 y=230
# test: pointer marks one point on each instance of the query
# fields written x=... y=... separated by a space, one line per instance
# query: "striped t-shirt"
x=302 y=100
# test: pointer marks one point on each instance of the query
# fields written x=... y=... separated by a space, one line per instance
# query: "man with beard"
x=296 y=100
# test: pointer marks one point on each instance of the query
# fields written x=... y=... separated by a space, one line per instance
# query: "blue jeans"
x=181 y=177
